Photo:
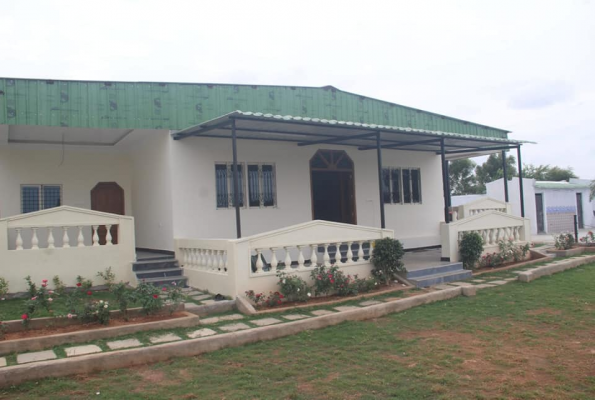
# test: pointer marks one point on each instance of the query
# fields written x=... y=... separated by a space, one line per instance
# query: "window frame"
x=40 y=196
x=402 y=185
x=229 y=183
x=260 y=184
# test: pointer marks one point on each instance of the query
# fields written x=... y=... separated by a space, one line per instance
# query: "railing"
x=232 y=266
x=65 y=241
x=493 y=226
x=479 y=206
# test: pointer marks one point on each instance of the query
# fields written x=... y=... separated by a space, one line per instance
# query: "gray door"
x=539 y=209
x=579 y=210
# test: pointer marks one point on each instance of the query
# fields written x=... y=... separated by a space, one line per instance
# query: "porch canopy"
x=306 y=131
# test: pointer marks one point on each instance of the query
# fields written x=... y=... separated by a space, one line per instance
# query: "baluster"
x=517 y=233
x=287 y=260
x=326 y=257
x=274 y=261
x=51 y=238
x=360 y=251
x=108 y=235
x=193 y=258
x=81 y=238
x=300 y=259
x=314 y=255
x=34 y=240
x=221 y=263
x=19 y=241
x=338 y=254
x=225 y=262
x=259 y=263
x=198 y=258
x=95 y=235
x=349 y=253
x=209 y=260
x=65 y=238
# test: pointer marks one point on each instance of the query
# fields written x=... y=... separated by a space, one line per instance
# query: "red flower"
x=278 y=301
x=155 y=296
x=44 y=281
x=332 y=281
x=164 y=289
x=78 y=284
x=24 y=316
x=89 y=293
x=281 y=296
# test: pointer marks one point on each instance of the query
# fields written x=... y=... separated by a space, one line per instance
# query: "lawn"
x=520 y=341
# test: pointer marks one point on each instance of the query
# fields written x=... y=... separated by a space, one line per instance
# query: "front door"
x=108 y=197
x=579 y=210
x=333 y=187
x=539 y=210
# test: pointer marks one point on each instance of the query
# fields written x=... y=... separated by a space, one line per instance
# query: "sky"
x=525 y=66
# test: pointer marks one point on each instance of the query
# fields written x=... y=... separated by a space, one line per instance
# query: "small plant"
x=3 y=288
x=386 y=258
x=324 y=279
x=292 y=287
x=365 y=285
x=589 y=238
x=274 y=299
x=148 y=297
x=259 y=299
x=470 y=248
x=564 y=241
x=103 y=314
x=32 y=287
x=59 y=286
x=108 y=276
x=124 y=297
x=41 y=299
x=256 y=298
x=86 y=284
x=175 y=296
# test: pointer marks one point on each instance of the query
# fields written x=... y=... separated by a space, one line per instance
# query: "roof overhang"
x=307 y=131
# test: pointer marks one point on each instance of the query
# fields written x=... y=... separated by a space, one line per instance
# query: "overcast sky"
x=526 y=66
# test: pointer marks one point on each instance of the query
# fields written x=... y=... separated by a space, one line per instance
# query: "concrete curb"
x=125 y=358
x=215 y=308
x=45 y=342
x=552 y=268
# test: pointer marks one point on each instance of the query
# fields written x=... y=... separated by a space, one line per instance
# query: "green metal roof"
x=148 y=105
x=560 y=185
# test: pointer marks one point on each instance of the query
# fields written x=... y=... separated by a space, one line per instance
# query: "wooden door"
x=539 y=212
x=108 y=197
x=579 y=211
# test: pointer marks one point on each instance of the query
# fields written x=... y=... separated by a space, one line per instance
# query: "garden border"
x=554 y=267
x=516 y=265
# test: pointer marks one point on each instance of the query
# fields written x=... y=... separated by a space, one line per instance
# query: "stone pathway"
x=219 y=325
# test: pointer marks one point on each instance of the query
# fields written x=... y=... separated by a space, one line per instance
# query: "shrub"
x=175 y=297
x=40 y=298
x=59 y=286
x=256 y=298
x=3 y=288
x=589 y=238
x=108 y=276
x=386 y=259
x=274 y=299
x=259 y=299
x=324 y=279
x=470 y=248
x=148 y=297
x=564 y=241
x=292 y=287
x=84 y=283
x=508 y=252
x=124 y=296
x=365 y=285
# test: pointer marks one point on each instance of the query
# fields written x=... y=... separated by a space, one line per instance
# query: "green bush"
x=386 y=259
x=564 y=241
x=3 y=288
x=147 y=295
x=470 y=249
x=293 y=287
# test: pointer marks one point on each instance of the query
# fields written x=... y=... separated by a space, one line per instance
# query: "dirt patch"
x=95 y=325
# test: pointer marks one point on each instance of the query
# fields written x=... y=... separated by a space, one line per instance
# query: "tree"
x=592 y=190
x=461 y=177
x=548 y=173
x=492 y=169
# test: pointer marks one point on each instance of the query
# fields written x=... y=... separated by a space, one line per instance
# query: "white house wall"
x=194 y=197
x=495 y=190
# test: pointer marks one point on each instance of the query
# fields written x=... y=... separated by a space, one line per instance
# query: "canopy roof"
x=309 y=131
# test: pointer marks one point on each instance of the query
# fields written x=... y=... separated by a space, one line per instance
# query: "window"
x=224 y=184
x=401 y=185
x=261 y=185
x=40 y=197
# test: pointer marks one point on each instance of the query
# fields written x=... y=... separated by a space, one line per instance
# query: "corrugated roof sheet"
x=146 y=105
x=560 y=185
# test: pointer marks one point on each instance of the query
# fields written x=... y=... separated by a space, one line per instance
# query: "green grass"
x=525 y=341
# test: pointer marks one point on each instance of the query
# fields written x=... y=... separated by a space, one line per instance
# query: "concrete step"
x=436 y=279
x=159 y=273
x=169 y=263
x=439 y=269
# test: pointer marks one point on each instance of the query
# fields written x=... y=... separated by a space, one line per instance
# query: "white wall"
x=151 y=190
x=495 y=190
x=193 y=187
x=77 y=169
x=461 y=199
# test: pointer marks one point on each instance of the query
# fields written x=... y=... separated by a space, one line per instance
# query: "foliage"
x=274 y=299
x=124 y=297
x=148 y=297
x=548 y=173
x=491 y=170
x=324 y=279
x=256 y=298
x=3 y=288
x=293 y=287
x=79 y=302
x=108 y=276
x=592 y=187
x=259 y=299
x=174 y=297
x=84 y=283
x=59 y=286
x=470 y=248
x=564 y=241
x=462 y=177
x=41 y=298
x=3 y=328
x=507 y=252
x=589 y=238
x=95 y=311
x=386 y=259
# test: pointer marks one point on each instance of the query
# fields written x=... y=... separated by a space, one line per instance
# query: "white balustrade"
x=40 y=237
x=200 y=257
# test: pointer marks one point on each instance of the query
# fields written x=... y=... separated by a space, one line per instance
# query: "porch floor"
x=423 y=259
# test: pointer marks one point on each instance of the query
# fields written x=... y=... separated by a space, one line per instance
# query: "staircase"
x=436 y=275
x=158 y=269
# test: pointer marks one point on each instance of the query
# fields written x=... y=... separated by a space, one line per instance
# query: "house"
x=551 y=206
x=190 y=168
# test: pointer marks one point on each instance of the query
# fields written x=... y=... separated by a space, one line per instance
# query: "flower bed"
x=533 y=258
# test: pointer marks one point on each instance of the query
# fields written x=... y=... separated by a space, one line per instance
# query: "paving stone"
x=511 y=279
x=266 y=321
x=478 y=280
x=168 y=337
x=207 y=302
x=36 y=356
x=346 y=308
x=442 y=287
x=211 y=320
x=202 y=297
x=322 y=312
x=484 y=285
x=82 y=350
x=231 y=317
x=124 y=344
x=2 y=362
x=460 y=284
x=294 y=317
x=369 y=303
x=201 y=333
x=234 y=327
x=498 y=283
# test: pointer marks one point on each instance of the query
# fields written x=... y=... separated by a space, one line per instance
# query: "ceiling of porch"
x=309 y=131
